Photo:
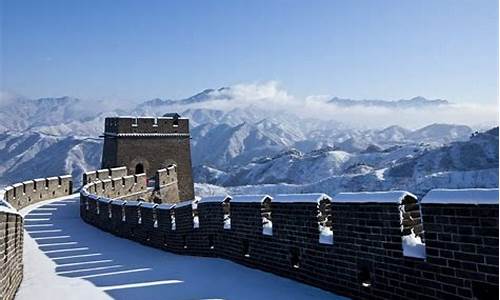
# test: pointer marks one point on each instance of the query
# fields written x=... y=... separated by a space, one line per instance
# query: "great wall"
x=368 y=245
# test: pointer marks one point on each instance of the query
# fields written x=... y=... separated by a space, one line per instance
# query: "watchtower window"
x=325 y=222
x=124 y=216
x=139 y=168
x=135 y=122
x=226 y=209
x=155 y=122
x=176 y=122
x=87 y=205
x=97 y=209
x=265 y=211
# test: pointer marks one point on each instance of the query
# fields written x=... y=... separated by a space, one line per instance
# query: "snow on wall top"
x=148 y=205
x=377 y=197
x=251 y=198
x=215 y=199
x=165 y=206
x=118 y=202
x=104 y=199
x=462 y=196
x=301 y=198
x=132 y=203
x=185 y=203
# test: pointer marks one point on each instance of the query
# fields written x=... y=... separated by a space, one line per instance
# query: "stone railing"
x=15 y=197
x=362 y=245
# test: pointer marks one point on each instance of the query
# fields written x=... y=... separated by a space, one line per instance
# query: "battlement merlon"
x=146 y=126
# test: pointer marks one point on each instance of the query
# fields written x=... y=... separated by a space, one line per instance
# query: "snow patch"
x=325 y=235
x=301 y=198
x=376 y=197
x=462 y=196
x=250 y=198
x=227 y=223
x=413 y=246
x=267 y=227
x=215 y=199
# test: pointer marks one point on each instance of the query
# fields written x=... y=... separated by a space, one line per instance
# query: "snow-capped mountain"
x=243 y=143
x=473 y=163
x=416 y=102
x=33 y=155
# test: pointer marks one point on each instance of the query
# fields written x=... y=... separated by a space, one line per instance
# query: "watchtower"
x=146 y=144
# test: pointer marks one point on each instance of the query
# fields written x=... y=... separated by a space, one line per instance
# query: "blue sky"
x=137 y=50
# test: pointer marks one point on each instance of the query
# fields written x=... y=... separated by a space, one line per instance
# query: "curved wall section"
x=11 y=252
x=15 y=197
x=115 y=183
x=365 y=260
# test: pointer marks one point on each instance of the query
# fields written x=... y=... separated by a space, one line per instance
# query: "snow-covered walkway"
x=65 y=258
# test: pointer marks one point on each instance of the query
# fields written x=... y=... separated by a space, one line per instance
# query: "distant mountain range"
x=252 y=146
x=416 y=102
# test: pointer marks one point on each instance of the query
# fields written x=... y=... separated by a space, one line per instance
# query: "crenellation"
x=118 y=125
x=24 y=193
x=367 y=240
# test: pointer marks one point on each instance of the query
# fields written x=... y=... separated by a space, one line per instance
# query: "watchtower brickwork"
x=355 y=245
x=18 y=196
x=115 y=183
x=145 y=145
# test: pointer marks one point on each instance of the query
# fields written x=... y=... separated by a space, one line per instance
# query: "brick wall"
x=462 y=243
x=25 y=193
x=19 y=196
x=11 y=254
x=365 y=261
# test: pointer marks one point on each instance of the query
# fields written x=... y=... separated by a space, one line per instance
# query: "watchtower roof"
x=170 y=124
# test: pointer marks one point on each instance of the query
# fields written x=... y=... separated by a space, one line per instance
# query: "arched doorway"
x=139 y=168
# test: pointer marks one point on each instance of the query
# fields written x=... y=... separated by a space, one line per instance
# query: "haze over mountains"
x=243 y=140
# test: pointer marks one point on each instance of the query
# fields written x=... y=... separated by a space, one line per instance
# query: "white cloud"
x=270 y=96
